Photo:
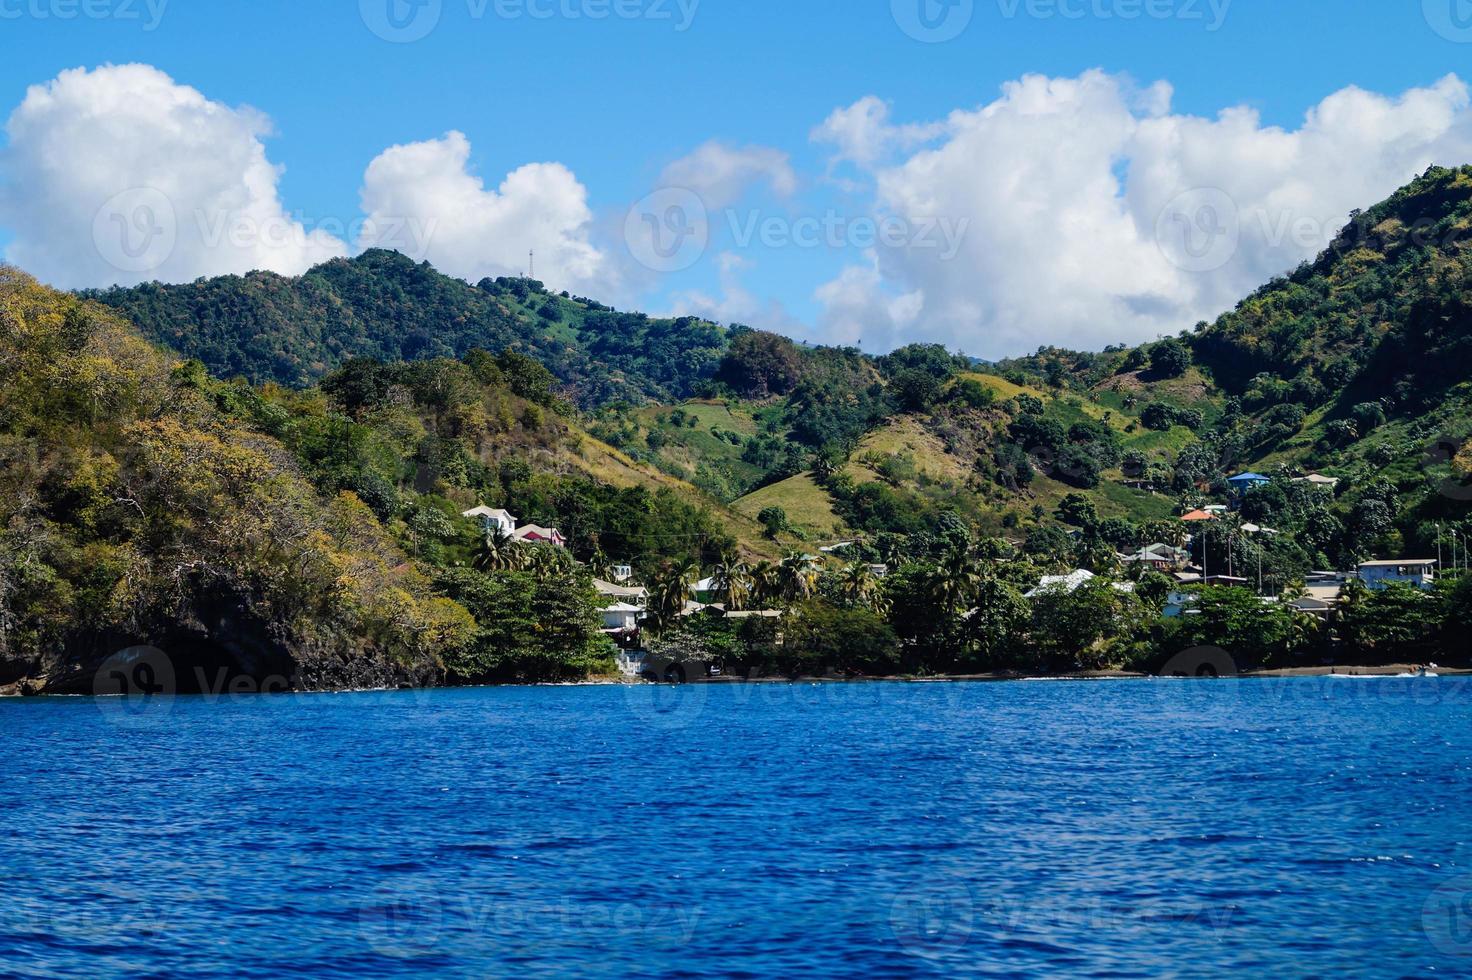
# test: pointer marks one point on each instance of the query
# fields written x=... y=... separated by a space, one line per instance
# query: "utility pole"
x=531 y=264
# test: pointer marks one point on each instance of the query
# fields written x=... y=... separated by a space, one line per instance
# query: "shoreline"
x=1407 y=671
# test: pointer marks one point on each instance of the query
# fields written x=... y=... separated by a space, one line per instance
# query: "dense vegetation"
x=295 y=481
x=265 y=327
x=312 y=534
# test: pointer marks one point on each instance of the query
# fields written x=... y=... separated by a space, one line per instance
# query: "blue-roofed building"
x=1246 y=481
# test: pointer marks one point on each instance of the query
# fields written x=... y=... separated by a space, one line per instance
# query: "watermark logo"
x=401 y=21
x=667 y=707
x=933 y=21
x=1199 y=230
x=935 y=917
x=1452 y=19
x=135 y=687
x=1446 y=917
x=136 y=231
x=668 y=231
x=403 y=919
x=1446 y=451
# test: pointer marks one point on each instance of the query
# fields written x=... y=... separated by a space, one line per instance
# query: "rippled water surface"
x=1294 y=827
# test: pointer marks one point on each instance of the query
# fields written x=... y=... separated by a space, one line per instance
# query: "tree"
x=667 y=597
x=857 y=585
x=773 y=521
x=1078 y=510
x=820 y=638
x=1170 y=358
x=759 y=364
x=1397 y=621
x=797 y=579
x=1238 y=621
x=733 y=583
x=499 y=552
x=995 y=630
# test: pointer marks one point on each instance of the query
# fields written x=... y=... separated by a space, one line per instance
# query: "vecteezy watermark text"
x=937 y=21
x=149 y=13
x=670 y=230
x=406 y=21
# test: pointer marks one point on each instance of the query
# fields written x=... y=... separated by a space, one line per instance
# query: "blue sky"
x=617 y=100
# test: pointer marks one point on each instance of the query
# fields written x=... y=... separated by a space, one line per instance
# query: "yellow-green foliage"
x=127 y=501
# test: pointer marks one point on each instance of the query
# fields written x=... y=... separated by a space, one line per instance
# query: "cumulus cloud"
x=1096 y=215
x=120 y=175
x=424 y=200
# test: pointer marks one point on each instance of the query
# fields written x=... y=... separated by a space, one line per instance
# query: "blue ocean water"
x=1295 y=827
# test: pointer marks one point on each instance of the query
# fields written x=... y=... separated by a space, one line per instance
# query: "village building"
x=492 y=520
x=536 y=534
x=1420 y=572
x=1072 y=582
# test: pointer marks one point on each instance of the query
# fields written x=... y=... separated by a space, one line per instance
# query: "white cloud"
x=119 y=175
x=423 y=199
x=1078 y=192
x=860 y=309
x=862 y=133
x=736 y=303
x=721 y=174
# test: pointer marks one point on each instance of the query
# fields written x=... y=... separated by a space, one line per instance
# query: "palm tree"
x=956 y=581
x=498 y=553
x=763 y=582
x=797 y=578
x=668 y=595
x=857 y=585
x=734 y=584
x=546 y=561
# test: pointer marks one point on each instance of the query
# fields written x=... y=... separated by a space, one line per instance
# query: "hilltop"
x=295 y=330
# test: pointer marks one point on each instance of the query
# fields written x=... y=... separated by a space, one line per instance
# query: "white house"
x=493 y=520
x=1072 y=582
x=621 y=617
x=622 y=573
x=1420 y=572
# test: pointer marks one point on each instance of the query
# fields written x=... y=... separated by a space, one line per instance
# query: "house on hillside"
x=621 y=618
x=1243 y=482
x=1318 y=480
x=492 y=520
x=1197 y=516
x=1158 y=557
x=536 y=534
x=633 y=594
x=1320 y=600
x=1072 y=582
x=1419 y=572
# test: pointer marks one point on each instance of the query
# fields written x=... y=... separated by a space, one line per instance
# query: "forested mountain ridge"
x=267 y=327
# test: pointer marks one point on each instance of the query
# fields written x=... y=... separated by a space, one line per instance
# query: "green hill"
x=266 y=327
